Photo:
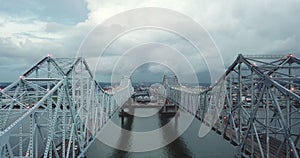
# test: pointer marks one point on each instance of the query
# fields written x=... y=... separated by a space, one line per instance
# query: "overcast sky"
x=31 y=29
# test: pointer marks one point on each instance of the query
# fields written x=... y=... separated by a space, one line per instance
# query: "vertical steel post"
x=239 y=109
x=252 y=111
x=267 y=126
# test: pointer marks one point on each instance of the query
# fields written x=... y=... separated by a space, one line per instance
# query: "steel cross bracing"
x=55 y=109
x=255 y=105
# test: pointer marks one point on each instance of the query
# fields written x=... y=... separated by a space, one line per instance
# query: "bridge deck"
x=274 y=145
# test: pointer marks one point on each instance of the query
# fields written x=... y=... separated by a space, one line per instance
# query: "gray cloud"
x=259 y=27
x=54 y=27
x=49 y=27
x=65 y=12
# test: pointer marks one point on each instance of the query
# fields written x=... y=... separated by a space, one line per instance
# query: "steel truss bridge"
x=55 y=109
x=255 y=105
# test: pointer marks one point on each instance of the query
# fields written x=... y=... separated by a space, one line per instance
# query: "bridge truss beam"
x=55 y=109
x=255 y=105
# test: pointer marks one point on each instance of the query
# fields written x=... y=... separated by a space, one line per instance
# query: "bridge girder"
x=55 y=109
x=255 y=105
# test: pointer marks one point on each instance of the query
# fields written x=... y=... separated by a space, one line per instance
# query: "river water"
x=186 y=145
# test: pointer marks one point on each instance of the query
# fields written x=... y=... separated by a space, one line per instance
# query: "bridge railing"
x=55 y=109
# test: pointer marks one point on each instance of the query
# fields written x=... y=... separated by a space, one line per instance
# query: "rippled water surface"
x=187 y=145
